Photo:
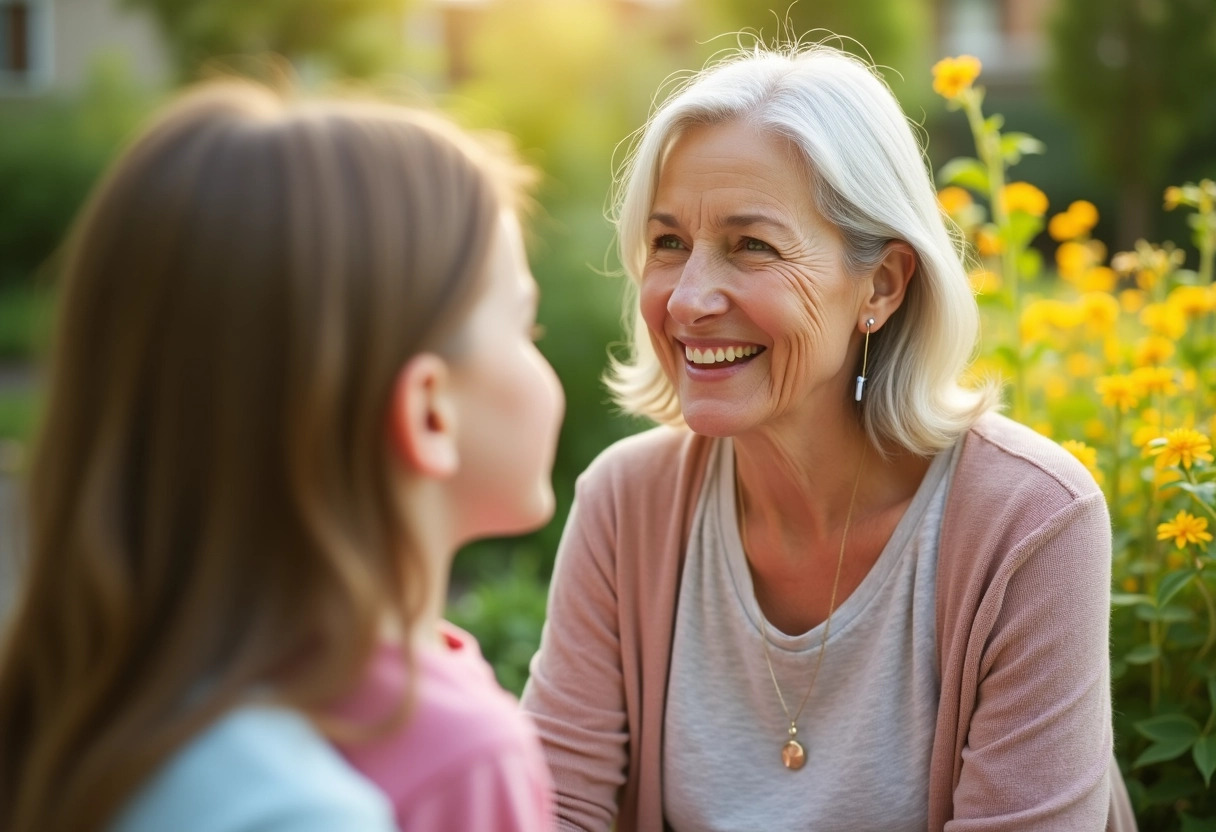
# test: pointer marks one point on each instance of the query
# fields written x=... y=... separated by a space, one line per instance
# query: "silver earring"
x=865 y=357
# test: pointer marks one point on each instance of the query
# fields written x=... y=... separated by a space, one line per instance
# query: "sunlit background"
x=1121 y=92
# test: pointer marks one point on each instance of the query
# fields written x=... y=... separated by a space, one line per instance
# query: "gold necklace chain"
x=793 y=755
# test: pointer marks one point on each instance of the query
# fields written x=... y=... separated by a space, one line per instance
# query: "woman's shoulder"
x=1012 y=486
x=656 y=458
x=1003 y=458
x=259 y=767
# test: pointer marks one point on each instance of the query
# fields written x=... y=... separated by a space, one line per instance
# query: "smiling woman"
x=804 y=600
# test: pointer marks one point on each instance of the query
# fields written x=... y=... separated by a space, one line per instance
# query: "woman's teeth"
x=717 y=355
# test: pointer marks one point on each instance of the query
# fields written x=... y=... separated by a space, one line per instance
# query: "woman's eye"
x=752 y=244
x=668 y=241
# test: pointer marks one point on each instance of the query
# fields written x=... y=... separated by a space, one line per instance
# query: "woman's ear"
x=889 y=283
x=422 y=417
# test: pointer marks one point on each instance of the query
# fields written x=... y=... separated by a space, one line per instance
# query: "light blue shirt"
x=259 y=768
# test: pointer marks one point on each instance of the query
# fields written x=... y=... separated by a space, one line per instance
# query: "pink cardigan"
x=1023 y=738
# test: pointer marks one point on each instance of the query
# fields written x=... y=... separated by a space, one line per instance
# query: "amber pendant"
x=793 y=755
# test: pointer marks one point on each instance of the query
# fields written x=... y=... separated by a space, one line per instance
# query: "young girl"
x=293 y=373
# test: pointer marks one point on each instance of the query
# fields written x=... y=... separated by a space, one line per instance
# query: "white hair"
x=869 y=178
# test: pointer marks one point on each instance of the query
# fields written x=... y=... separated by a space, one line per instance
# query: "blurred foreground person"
x=293 y=372
x=834 y=590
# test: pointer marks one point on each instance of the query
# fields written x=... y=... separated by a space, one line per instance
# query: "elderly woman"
x=834 y=590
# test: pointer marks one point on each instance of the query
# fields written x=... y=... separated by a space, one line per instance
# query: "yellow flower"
x=1064 y=226
x=1022 y=196
x=1146 y=279
x=1078 y=220
x=1098 y=279
x=1095 y=429
x=1192 y=301
x=1150 y=429
x=1040 y=317
x=988 y=243
x=1185 y=529
x=1073 y=259
x=1055 y=388
x=954 y=200
x=1043 y=428
x=951 y=76
x=1132 y=300
x=1182 y=446
x=1084 y=212
x=1099 y=311
x=1087 y=455
x=1154 y=380
x=1173 y=197
x=1112 y=351
x=1080 y=365
x=984 y=281
x=1153 y=350
x=1118 y=391
x=1164 y=320
x=1130 y=584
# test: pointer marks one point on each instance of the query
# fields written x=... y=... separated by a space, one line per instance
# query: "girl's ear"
x=422 y=417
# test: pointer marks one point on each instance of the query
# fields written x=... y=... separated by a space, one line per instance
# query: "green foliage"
x=20 y=408
x=356 y=38
x=894 y=34
x=51 y=152
x=506 y=613
x=1128 y=74
x=25 y=315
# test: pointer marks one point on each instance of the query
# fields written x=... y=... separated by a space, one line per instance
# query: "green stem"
x=1211 y=605
x=988 y=145
x=1117 y=468
x=1154 y=691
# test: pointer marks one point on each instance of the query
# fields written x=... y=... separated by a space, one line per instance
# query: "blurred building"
x=1008 y=36
x=50 y=46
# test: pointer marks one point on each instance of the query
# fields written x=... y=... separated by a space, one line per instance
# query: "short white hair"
x=869 y=178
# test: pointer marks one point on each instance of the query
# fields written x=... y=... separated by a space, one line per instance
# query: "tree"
x=348 y=37
x=1134 y=75
x=893 y=34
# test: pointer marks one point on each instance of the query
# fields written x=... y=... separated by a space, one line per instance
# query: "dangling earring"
x=865 y=356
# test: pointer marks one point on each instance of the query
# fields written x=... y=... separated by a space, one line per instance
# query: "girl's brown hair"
x=211 y=499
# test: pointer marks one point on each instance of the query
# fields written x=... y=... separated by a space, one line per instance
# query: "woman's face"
x=509 y=402
x=744 y=291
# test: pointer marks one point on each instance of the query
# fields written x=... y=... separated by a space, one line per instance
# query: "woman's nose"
x=698 y=293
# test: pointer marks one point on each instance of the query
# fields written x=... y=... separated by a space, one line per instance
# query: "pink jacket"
x=1023 y=738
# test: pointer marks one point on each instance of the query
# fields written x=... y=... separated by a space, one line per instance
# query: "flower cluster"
x=1113 y=355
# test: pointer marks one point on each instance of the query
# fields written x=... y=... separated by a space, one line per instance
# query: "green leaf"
x=1030 y=263
x=1169 y=728
x=1205 y=491
x=1127 y=599
x=994 y=122
x=1204 y=753
x=965 y=172
x=1190 y=823
x=1212 y=690
x=1170 y=613
x=1022 y=229
x=1143 y=654
x=1016 y=145
x=1172 y=584
x=1159 y=752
